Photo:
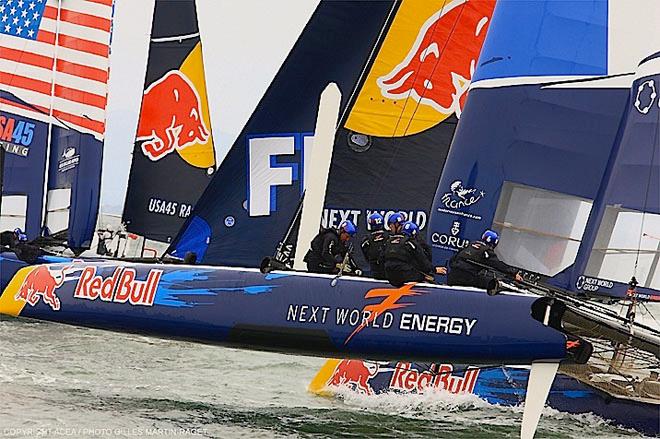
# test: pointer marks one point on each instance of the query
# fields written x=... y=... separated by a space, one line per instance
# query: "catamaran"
x=533 y=323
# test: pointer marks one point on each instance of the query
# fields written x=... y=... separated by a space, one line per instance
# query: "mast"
x=44 y=208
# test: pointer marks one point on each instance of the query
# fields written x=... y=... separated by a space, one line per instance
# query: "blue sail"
x=24 y=141
x=74 y=185
x=622 y=238
x=247 y=206
x=531 y=153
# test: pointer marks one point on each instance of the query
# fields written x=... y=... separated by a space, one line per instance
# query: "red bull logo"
x=407 y=379
x=439 y=66
x=171 y=116
x=42 y=283
x=355 y=373
x=121 y=287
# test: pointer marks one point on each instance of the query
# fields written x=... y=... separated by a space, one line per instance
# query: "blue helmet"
x=410 y=229
x=348 y=227
x=376 y=221
x=491 y=238
x=403 y=214
x=395 y=218
x=22 y=237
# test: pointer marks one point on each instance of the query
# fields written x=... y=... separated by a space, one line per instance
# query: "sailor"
x=472 y=265
x=403 y=258
x=329 y=248
x=17 y=242
x=373 y=244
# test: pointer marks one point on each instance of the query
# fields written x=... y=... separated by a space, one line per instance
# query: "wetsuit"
x=325 y=253
x=23 y=250
x=462 y=272
x=405 y=260
x=372 y=249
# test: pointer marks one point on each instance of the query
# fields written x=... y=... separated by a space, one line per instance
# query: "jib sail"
x=173 y=158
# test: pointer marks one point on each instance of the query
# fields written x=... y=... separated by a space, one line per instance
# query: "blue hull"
x=288 y=312
x=497 y=385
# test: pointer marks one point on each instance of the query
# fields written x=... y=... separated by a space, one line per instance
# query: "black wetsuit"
x=462 y=272
x=23 y=250
x=372 y=248
x=325 y=253
x=405 y=260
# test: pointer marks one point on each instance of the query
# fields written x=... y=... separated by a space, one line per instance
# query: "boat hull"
x=500 y=385
x=287 y=312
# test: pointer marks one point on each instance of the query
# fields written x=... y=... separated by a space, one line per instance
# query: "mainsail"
x=247 y=207
x=530 y=157
x=173 y=158
x=391 y=149
x=53 y=92
x=406 y=87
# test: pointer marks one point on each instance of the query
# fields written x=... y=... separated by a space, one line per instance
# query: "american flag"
x=32 y=39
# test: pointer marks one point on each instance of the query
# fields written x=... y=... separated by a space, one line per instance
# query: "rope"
x=646 y=196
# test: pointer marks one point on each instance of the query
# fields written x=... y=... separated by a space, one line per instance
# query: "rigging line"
x=435 y=65
x=648 y=311
x=359 y=84
x=417 y=104
x=442 y=52
x=646 y=195
x=407 y=98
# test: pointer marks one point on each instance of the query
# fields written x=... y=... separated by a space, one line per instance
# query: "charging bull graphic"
x=438 y=68
x=171 y=116
x=356 y=373
x=42 y=282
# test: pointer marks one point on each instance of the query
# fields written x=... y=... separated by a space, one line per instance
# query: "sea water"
x=65 y=382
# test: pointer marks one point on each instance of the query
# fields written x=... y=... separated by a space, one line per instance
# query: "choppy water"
x=61 y=381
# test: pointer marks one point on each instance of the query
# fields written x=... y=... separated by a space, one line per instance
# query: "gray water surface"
x=63 y=381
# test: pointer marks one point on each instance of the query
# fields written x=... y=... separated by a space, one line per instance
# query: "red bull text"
x=438 y=68
x=171 y=116
x=407 y=379
x=121 y=287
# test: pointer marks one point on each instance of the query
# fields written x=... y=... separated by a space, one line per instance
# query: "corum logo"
x=455 y=228
x=171 y=116
x=460 y=196
x=389 y=302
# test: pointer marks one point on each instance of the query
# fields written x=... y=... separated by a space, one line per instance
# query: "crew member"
x=17 y=242
x=373 y=244
x=470 y=266
x=329 y=248
x=403 y=258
